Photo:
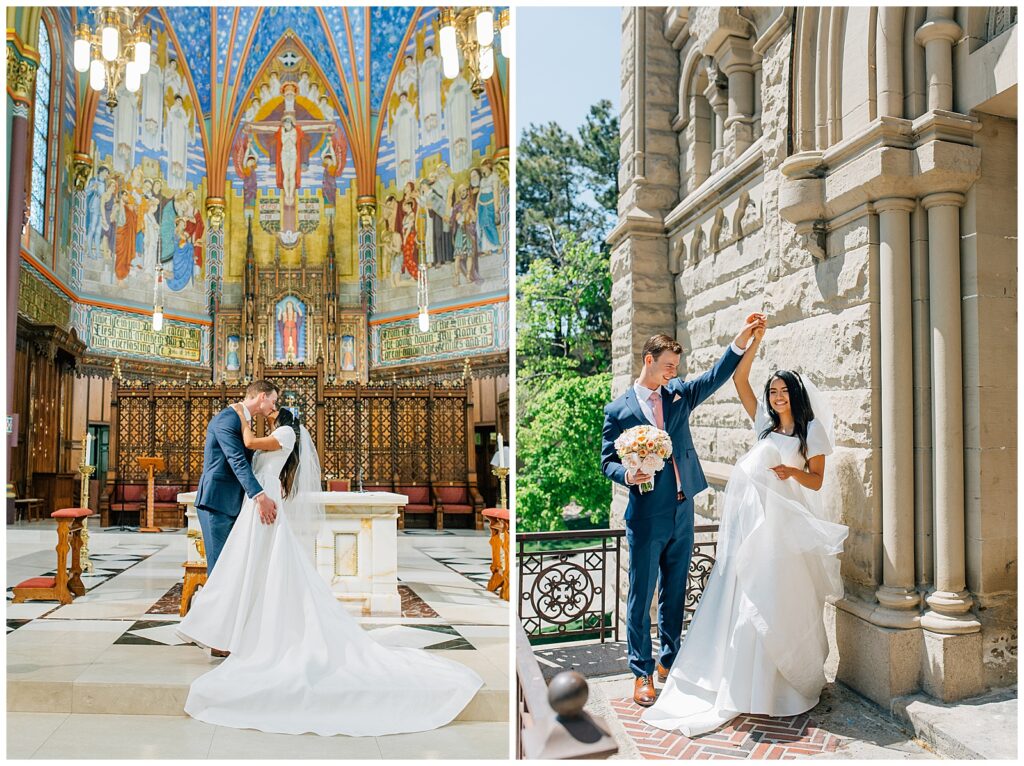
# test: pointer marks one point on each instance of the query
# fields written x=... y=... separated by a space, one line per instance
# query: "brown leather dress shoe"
x=219 y=653
x=662 y=673
x=643 y=691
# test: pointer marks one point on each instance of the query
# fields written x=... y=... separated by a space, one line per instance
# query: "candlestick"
x=501 y=451
x=502 y=473
x=86 y=470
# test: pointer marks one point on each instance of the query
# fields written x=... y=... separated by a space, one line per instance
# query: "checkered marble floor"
x=121 y=659
x=463 y=560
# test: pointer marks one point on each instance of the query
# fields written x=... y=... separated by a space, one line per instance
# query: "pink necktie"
x=659 y=419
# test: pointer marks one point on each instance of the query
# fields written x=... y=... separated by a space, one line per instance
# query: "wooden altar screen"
x=394 y=434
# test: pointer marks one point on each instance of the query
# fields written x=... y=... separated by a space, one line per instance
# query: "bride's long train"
x=757 y=642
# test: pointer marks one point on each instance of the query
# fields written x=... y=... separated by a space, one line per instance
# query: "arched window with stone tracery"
x=41 y=122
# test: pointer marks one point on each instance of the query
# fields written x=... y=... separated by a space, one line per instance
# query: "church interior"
x=203 y=197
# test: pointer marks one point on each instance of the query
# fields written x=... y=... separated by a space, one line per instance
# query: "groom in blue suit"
x=659 y=523
x=227 y=471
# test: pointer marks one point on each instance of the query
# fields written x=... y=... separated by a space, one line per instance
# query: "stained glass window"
x=41 y=132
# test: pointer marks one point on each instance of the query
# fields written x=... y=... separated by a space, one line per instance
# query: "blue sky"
x=566 y=59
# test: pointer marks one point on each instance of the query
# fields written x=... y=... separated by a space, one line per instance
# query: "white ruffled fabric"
x=299 y=662
x=757 y=642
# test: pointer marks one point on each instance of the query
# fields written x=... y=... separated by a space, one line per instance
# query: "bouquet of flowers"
x=644 y=448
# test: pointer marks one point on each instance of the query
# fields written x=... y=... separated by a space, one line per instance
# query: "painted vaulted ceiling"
x=227 y=50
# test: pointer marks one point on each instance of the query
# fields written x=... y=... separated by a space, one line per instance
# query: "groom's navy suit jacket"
x=679 y=398
x=227 y=467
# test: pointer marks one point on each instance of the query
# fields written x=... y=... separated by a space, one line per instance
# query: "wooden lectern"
x=150 y=464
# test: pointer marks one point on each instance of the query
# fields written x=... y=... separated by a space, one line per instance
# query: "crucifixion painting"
x=290 y=153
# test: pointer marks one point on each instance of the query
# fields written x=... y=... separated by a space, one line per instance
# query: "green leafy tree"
x=566 y=181
x=559 y=447
x=563 y=312
x=567 y=193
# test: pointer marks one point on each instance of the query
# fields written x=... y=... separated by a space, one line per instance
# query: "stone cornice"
x=774 y=31
x=718 y=186
x=677 y=27
x=636 y=223
x=890 y=158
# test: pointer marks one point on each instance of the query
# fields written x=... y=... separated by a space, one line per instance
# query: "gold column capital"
x=21 y=72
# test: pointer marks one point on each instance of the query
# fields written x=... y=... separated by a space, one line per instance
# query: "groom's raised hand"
x=267 y=508
x=756 y=324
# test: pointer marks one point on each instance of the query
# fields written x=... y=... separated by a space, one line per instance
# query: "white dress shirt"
x=643 y=395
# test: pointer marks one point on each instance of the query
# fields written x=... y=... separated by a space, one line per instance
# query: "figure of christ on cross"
x=288 y=136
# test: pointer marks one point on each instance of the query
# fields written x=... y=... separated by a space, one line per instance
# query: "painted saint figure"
x=487 y=210
x=348 y=353
x=126 y=128
x=390 y=242
x=403 y=135
x=410 y=251
x=464 y=225
x=126 y=222
x=95 y=218
x=459 y=124
x=430 y=97
x=232 y=362
x=176 y=140
x=290 y=322
x=153 y=104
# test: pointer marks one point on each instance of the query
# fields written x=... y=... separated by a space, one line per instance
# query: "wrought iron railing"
x=571 y=591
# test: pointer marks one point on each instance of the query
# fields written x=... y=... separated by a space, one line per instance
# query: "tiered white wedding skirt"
x=757 y=641
x=299 y=662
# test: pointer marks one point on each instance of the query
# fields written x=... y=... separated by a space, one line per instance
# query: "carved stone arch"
x=687 y=84
x=889 y=61
x=737 y=217
x=915 y=79
x=719 y=231
x=803 y=82
x=677 y=255
x=749 y=218
x=697 y=245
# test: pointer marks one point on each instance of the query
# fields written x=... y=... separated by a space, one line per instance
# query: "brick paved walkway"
x=747 y=736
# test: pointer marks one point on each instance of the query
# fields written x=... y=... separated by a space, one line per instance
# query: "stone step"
x=154 y=680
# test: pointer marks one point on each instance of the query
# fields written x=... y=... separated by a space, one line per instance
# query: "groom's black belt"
x=680 y=496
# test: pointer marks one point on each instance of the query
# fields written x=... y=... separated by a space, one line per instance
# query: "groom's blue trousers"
x=216 y=528
x=659 y=547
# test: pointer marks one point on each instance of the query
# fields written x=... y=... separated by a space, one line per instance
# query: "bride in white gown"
x=757 y=641
x=298 y=661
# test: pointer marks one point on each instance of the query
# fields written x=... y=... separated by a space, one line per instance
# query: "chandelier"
x=471 y=32
x=115 y=50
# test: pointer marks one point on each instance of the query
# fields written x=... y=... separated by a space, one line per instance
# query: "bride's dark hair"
x=286 y=417
x=799 y=405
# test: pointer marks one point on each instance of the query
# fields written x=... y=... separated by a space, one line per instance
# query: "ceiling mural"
x=281 y=120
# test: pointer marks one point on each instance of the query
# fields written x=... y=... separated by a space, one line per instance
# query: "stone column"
x=889 y=59
x=950 y=603
x=937 y=35
x=736 y=59
x=897 y=594
x=366 y=208
x=21 y=78
x=923 y=547
x=720 y=106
